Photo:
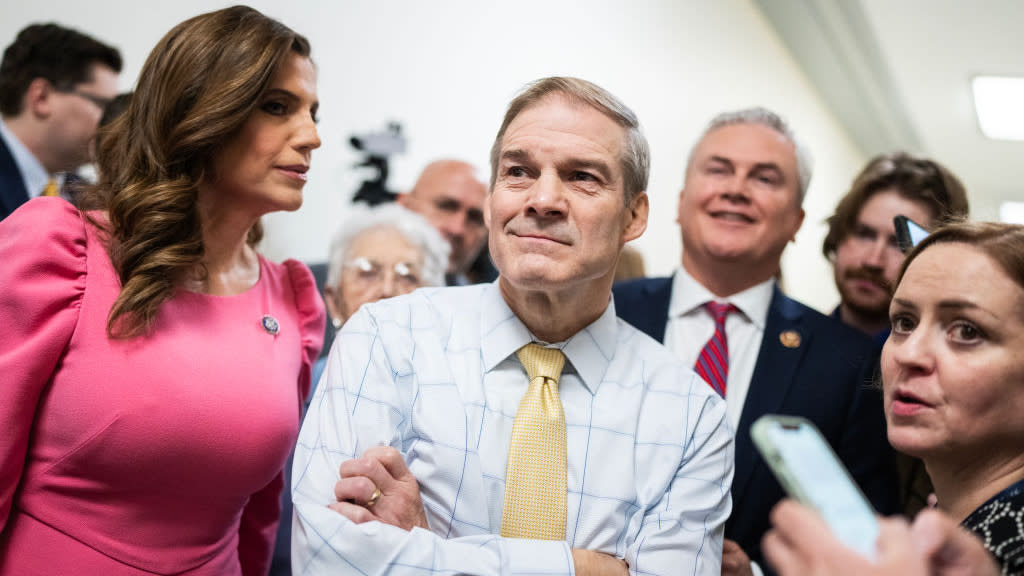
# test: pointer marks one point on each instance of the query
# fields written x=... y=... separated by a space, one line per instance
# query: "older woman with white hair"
x=378 y=253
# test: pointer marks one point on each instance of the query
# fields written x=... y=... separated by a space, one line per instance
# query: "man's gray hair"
x=765 y=117
x=636 y=156
x=413 y=227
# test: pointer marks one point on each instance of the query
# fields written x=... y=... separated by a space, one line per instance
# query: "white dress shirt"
x=434 y=374
x=690 y=326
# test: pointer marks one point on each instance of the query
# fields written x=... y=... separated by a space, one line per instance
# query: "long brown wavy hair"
x=196 y=90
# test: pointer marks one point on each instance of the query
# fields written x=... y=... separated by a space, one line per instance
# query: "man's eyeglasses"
x=99 y=101
x=404 y=274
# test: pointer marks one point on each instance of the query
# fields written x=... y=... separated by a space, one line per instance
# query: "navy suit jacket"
x=12 y=188
x=825 y=377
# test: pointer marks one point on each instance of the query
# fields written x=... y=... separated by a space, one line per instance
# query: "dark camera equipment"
x=377 y=147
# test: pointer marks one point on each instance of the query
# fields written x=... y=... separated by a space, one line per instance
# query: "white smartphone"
x=812 y=474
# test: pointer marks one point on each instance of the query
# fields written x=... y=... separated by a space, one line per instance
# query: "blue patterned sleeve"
x=683 y=532
x=360 y=402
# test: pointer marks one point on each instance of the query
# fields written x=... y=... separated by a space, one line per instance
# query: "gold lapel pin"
x=790 y=339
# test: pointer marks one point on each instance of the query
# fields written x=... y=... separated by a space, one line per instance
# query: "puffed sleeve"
x=42 y=280
x=260 y=517
x=312 y=319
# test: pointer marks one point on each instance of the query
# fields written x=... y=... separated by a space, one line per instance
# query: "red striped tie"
x=713 y=362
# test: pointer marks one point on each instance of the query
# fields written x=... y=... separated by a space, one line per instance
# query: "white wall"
x=446 y=69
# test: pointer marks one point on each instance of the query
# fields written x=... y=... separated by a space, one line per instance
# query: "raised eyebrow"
x=598 y=166
x=954 y=304
x=279 y=92
x=957 y=304
x=282 y=92
x=769 y=167
x=516 y=155
x=903 y=303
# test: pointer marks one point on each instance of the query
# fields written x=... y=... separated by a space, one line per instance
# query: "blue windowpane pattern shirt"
x=434 y=375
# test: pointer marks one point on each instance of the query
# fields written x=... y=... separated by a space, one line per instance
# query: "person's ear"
x=636 y=217
x=38 y=99
x=798 y=223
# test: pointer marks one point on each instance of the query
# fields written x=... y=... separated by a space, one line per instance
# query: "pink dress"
x=160 y=454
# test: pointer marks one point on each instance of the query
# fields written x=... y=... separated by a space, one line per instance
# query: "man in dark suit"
x=739 y=208
x=54 y=85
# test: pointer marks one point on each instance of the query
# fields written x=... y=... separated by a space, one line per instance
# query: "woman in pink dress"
x=152 y=363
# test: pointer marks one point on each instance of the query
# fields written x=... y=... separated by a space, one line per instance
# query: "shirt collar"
x=32 y=171
x=590 y=350
x=689 y=295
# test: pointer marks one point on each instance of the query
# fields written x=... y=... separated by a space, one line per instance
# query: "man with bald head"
x=451 y=197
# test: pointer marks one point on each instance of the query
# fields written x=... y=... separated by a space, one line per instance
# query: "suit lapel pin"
x=790 y=339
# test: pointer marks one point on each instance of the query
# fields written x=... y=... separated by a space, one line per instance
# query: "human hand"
x=735 y=561
x=593 y=563
x=379 y=486
x=949 y=549
x=801 y=544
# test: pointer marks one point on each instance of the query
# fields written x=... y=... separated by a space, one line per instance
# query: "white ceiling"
x=896 y=73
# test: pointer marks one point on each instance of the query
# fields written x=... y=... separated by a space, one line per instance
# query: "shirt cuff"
x=755 y=569
x=537 y=557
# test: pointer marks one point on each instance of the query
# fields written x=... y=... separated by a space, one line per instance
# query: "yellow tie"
x=51 y=188
x=535 y=479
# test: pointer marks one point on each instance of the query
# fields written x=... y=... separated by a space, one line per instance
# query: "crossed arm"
x=376 y=424
x=399 y=504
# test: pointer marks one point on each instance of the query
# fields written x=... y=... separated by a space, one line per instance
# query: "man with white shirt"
x=54 y=85
x=765 y=353
x=519 y=426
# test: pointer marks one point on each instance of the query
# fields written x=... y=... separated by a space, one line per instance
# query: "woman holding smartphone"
x=953 y=377
x=953 y=381
x=153 y=363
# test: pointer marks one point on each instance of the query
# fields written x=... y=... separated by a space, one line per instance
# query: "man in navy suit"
x=54 y=85
x=739 y=208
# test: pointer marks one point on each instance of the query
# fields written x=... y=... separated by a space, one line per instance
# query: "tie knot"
x=541 y=361
x=51 y=188
x=719 y=310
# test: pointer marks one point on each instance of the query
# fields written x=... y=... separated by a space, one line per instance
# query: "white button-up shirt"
x=690 y=326
x=434 y=375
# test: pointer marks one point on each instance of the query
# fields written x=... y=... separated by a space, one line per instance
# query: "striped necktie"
x=713 y=362
x=535 y=478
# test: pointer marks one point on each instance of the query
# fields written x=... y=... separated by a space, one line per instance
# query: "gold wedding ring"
x=373 y=499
